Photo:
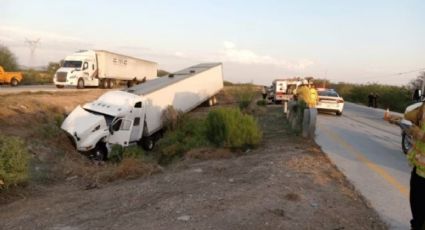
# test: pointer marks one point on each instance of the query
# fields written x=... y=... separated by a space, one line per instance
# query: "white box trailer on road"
x=134 y=115
x=102 y=68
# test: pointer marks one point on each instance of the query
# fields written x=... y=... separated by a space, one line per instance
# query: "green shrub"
x=244 y=94
x=229 y=127
x=118 y=153
x=51 y=126
x=188 y=134
x=396 y=98
x=171 y=118
x=31 y=77
x=14 y=160
x=261 y=103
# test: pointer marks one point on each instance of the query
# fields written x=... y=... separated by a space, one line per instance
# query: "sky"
x=257 y=41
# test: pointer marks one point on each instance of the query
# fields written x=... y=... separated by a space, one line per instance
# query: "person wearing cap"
x=416 y=158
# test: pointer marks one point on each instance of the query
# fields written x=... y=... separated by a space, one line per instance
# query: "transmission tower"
x=32 y=45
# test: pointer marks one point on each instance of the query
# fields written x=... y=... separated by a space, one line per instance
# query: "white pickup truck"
x=134 y=115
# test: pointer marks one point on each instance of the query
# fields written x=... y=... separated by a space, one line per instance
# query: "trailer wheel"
x=148 y=143
x=80 y=84
x=59 y=86
x=210 y=102
x=14 y=82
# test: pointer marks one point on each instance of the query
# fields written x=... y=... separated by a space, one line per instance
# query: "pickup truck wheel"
x=59 y=86
x=80 y=84
x=14 y=82
x=148 y=143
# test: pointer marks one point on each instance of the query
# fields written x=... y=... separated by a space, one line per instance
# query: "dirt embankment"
x=286 y=183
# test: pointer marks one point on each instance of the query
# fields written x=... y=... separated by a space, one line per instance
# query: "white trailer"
x=134 y=115
x=102 y=68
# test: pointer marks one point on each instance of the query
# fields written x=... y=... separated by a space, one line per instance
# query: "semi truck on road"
x=99 y=68
x=134 y=115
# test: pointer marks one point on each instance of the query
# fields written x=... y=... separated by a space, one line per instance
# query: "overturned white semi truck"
x=134 y=115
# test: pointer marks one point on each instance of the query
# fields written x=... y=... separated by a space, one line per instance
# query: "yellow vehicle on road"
x=12 y=78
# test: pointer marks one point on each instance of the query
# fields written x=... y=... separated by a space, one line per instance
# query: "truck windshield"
x=72 y=64
x=108 y=118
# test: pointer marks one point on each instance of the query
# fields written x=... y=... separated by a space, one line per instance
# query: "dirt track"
x=287 y=183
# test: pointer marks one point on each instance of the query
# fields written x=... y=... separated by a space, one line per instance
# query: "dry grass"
x=209 y=153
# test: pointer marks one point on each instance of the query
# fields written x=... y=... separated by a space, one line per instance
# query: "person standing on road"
x=370 y=99
x=375 y=100
x=264 y=92
x=416 y=157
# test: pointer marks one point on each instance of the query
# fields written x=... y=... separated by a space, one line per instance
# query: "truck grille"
x=61 y=76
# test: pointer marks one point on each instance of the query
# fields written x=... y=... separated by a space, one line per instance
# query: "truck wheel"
x=14 y=82
x=100 y=153
x=129 y=84
x=110 y=83
x=148 y=143
x=80 y=84
x=59 y=86
x=338 y=113
x=104 y=83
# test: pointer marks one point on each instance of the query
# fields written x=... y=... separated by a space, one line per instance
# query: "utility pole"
x=32 y=45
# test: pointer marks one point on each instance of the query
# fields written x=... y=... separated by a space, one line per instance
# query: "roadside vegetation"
x=14 y=160
x=395 y=98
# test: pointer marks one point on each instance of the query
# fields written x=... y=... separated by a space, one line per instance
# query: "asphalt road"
x=367 y=150
x=6 y=89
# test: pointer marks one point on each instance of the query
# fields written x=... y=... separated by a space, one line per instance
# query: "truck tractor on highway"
x=134 y=115
x=12 y=78
x=99 y=68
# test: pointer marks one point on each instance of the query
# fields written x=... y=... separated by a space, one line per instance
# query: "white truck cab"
x=117 y=117
x=78 y=69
